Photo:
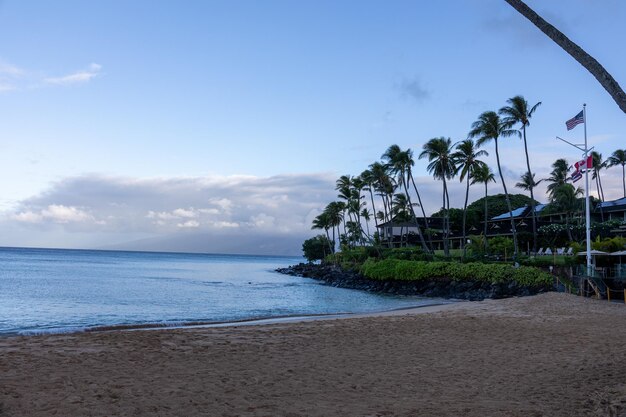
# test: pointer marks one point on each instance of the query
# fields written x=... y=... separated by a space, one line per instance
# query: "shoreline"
x=254 y=321
x=552 y=354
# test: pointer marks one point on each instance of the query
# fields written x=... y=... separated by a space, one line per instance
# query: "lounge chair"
x=570 y=252
x=540 y=252
x=560 y=251
x=548 y=252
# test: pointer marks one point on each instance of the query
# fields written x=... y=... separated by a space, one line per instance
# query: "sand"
x=547 y=355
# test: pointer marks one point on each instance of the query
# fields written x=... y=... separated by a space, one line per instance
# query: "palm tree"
x=483 y=175
x=334 y=212
x=565 y=199
x=467 y=162
x=383 y=184
x=369 y=181
x=558 y=176
x=527 y=182
x=402 y=213
x=489 y=127
x=516 y=112
x=441 y=166
x=399 y=162
x=619 y=158
x=590 y=63
x=322 y=221
x=365 y=213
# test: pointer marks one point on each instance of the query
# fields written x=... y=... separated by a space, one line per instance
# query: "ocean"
x=58 y=290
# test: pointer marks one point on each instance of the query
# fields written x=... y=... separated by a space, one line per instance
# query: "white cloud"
x=185 y=213
x=55 y=213
x=28 y=217
x=77 y=77
x=10 y=70
x=188 y=224
x=14 y=78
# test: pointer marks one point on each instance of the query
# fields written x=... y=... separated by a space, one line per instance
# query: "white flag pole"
x=587 y=210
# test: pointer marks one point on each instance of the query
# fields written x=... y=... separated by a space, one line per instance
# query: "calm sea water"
x=55 y=290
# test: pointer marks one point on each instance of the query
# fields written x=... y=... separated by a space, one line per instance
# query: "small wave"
x=58 y=330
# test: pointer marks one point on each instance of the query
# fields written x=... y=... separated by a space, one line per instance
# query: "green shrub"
x=396 y=269
x=614 y=244
x=316 y=248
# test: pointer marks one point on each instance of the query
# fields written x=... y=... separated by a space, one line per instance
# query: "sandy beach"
x=546 y=355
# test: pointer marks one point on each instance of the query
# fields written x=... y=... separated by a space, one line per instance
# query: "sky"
x=219 y=126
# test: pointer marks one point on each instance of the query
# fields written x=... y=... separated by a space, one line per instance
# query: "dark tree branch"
x=590 y=63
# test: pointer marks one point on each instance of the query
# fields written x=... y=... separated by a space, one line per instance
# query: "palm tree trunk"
x=419 y=229
x=373 y=208
x=508 y=204
x=624 y=180
x=446 y=249
x=599 y=196
x=532 y=195
x=465 y=215
x=448 y=219
x=419 y=201
x=594 y=67
x=601 y=188
x=328 y=237
x=486 y=217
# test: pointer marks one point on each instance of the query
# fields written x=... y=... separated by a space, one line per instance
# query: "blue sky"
x=278 y=98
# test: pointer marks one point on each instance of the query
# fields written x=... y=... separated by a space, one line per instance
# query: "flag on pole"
x=584 y=164
x=576 y=176
x=575 y=121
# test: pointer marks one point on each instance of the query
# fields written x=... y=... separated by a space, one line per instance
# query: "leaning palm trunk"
x=419 y=201
x=600 y=183
x=419 y=229
x=508 y=204
x=590 y=63
x=328 y=238
x=532 y=195
x=373 y=209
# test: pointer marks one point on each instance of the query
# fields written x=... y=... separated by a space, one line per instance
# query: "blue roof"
x=540 y=207
x=614 y=203
x=516 y=213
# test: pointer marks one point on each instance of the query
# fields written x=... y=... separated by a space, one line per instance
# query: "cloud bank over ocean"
x=220 y=214
x=242 y=214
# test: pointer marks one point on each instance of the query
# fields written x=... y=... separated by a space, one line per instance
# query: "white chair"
x=548 y=252
x=560 y=251
x=569 y=252
x=540 y=252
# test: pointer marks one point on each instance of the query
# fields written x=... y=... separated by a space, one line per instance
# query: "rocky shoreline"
x=474 y=291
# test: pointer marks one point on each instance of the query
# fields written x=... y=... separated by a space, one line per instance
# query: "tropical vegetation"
x=387 y=194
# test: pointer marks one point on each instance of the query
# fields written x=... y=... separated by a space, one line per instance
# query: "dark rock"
x=469 y=290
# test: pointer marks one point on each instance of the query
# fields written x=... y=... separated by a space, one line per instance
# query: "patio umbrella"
x=620 y=254
x=594 y=253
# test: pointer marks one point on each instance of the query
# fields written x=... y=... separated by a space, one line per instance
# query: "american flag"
x=574 y=121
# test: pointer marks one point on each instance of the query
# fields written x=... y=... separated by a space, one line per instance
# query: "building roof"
x=519 y=212
x=614 y=205
x=516 y=213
